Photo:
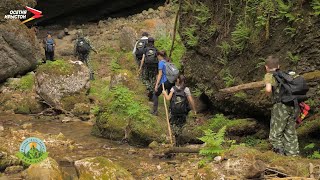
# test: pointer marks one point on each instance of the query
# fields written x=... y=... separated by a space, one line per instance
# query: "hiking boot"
x=155 y=113
x=279 y=151
x=91 y=76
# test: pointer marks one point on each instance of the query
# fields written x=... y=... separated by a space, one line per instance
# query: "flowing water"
x=138 y=161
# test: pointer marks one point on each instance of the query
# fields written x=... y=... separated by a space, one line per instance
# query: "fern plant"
x=203 y=13
x=213 y=142
x=290 y=31
x=292 y=58
x=285 y=10
x=225 y=48
x=189 y=32
x=240 y=36
x=315 y=4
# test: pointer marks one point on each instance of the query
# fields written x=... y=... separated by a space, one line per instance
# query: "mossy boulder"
x=18 y=96
x=123 y=116
x=45 y=170
x=100 y=168
x=7 y=160
x=62 y=84
x=81 y=110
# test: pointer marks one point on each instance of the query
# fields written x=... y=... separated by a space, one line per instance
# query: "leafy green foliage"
x=114 y=65
x=228 y=79
x=122 y=102
x=240 y=36
x=202 y=12
x=192 y=39
x=309 y=146
x=225 y=48
x=213 y=142
x=292 y=58
x=315 y=155
x=285 y=10
x=164 y=43
x=290 y=31
x=315 y=4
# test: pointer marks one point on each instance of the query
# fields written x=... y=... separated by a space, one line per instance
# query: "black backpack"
x=83 y=46
x=151 y=56
x=292 y=89
x=140 y=47
x=179 y=104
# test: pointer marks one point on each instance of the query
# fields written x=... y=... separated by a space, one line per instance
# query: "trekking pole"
x=167 y=116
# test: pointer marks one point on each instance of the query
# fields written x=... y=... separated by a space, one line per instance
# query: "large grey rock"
x=46 y=170
x=62 y=84
x=19 y=49
x=100 y=168
x=128 y=38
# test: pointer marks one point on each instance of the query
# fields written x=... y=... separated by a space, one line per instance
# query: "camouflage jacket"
x=76 y=42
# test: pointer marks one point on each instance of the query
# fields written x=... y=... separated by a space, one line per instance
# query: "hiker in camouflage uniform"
x=283 y=135
x=149 y=71
x=84 y=56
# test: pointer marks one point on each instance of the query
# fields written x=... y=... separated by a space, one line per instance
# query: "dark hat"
x=145 y=34
x=49 y=32
x=150 y=39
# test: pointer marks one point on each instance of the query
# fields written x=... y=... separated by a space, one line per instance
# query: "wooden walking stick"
x=167 y=115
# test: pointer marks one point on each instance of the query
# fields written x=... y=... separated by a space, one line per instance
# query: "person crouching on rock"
x=161 y=79
x=180 y=100
x=283 y=135
x=82 y=48
x=49 y=46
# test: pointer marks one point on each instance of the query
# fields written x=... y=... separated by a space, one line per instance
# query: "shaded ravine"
x=138 y=161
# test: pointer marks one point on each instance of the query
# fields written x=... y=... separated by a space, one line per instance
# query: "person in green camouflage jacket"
x=283 y=135
x=84 y=54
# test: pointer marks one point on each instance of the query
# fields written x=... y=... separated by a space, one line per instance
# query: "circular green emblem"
x=32 y=150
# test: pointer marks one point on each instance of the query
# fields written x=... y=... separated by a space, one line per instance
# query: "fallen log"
x=181 y=150
x=259 y=84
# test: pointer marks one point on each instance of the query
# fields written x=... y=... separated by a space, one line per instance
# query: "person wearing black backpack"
x=139 y=47
x=149 y=66
x=288 y=90
x=49 y=46
x=180 y=100
x=82 y=48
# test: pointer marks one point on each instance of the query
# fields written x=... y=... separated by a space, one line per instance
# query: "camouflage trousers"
x=176 y=123
x=283 y=133
x=85 y=58
x=149 y=76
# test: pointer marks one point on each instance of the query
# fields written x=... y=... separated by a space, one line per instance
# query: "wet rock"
x=61 y=35
x=127 y=38
x=46 y=170
x=100 y=168
x=62 y=84
x=27 y=126
x=7 y=160
x=13 y=169
x=82 y=111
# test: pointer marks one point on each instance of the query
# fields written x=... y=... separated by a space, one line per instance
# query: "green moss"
x=102 y=168
x=58 y=67
x=99 y=89
x=241 y=95
x=25 y=83
x=309 y=127
x=68 y=102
